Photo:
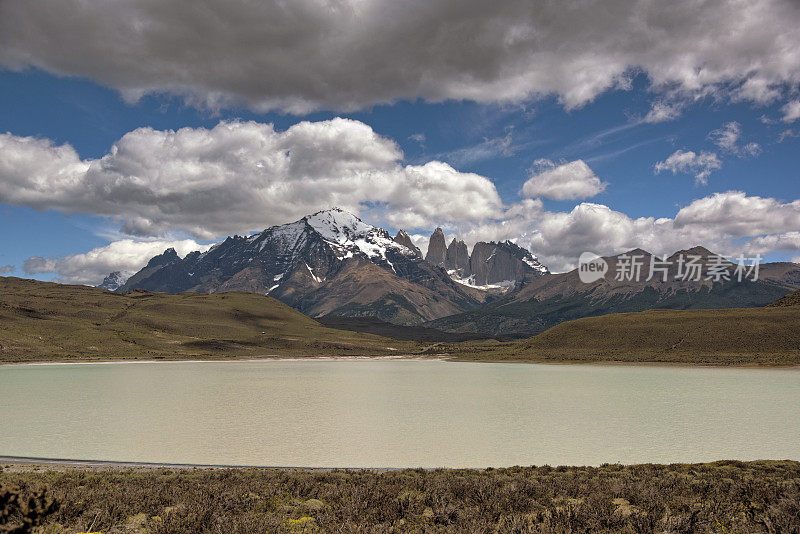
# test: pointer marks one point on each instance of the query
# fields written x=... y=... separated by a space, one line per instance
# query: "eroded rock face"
x=457 y=257
x=404 y=239
x=437 y=248
x=503 y=263
x=497 y=266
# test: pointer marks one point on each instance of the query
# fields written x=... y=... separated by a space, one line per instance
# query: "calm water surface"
x=397 y=413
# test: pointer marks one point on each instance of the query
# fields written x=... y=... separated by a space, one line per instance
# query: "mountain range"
x=332 y=264
x=556 y=298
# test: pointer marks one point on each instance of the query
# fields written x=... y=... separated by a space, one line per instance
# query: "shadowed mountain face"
x=457 y=258
x=329 y=263
x=113 y=281
x=503 y=263
x=437 y=249
x=404 y=239
x=549 y=300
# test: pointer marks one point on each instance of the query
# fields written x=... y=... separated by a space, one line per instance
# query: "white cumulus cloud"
x=239 y=177
x=687 y=161
x=729 y=223
x=566 y=181
x=125 y=255
x=734 y=212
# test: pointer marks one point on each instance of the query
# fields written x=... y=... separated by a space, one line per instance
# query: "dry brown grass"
x=716 y=497
x=792 y=299
x=42 y=322
x=746 y=336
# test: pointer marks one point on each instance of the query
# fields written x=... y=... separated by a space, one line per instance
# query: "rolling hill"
x=792 y=299
x=41 y=321
x=736 y=336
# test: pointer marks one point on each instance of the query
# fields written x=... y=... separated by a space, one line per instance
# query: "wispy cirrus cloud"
x=727 y=139
x=663 y=111
x=791 y=111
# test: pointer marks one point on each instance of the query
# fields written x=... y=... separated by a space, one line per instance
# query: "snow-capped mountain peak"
x=115 y=280
x=347 y=235
x=338 y=226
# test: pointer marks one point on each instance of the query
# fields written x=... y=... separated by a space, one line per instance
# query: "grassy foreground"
x=716 y=497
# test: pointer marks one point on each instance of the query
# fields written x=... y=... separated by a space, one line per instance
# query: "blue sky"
x=505 y=141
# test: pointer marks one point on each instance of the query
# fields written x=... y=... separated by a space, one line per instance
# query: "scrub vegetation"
x=723 y=496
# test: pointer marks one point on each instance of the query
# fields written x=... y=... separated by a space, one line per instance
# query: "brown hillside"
x=792 y=299
x=44 y=321
x=763 y=336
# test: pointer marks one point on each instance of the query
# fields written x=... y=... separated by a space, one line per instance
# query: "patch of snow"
x=115 y=280
x=273 y=288
x=344 y=233
x=314 y=276
x=534 y=264
x=470 y=282
x=338 y=226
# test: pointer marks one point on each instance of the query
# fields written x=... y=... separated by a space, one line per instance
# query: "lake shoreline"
x=32 y=463
x=404 y=357
x=27 y=463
